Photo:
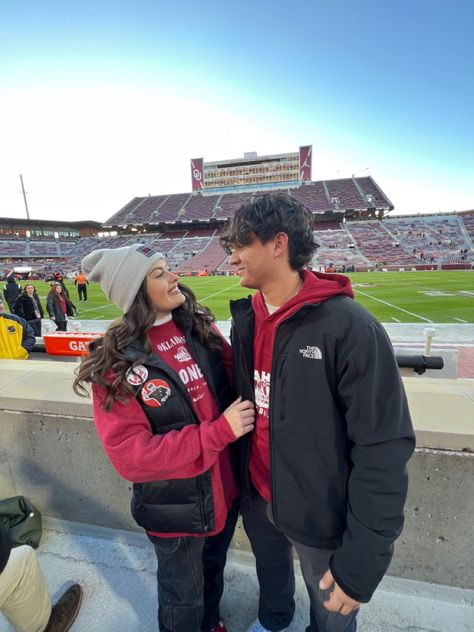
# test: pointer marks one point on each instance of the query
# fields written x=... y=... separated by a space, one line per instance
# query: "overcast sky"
x=104 y=101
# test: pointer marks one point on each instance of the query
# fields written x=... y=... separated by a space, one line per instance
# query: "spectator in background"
x=59 y=306
x=17 y=338
x=11 y=291
x=24 y=596
x=28 y=306
x=325 y=469
x=81 y=283
x=58 y=278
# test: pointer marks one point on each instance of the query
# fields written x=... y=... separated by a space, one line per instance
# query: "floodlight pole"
x=24 y=197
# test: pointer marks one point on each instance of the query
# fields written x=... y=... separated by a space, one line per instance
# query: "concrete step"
x=117 y=571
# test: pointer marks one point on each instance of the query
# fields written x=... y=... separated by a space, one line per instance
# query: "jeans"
x=191 y=578
x=273 y=552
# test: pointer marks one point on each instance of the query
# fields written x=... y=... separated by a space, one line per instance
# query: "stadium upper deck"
x=348 y=195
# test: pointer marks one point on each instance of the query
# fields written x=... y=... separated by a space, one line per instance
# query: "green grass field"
x=407 y=297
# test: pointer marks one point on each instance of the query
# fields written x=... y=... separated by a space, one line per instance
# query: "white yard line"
x=394 y=306
x=231 y=287
x=94 y=309
x=396 y=319
x=460 y=320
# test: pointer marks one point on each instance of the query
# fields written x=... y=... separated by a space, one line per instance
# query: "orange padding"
x=71 y=343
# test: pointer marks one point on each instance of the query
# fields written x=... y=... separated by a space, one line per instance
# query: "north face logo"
x=313 y=353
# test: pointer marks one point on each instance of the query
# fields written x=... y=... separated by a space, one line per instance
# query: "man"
x=24 y=596
x=81 y=283
x=11 y=291
x=325 y=468
x=17 y=338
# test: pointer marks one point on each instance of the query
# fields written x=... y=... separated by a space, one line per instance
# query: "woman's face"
x=58 y=289
x=30 y=290
x=162 y=289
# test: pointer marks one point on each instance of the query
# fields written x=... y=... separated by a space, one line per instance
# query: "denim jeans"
x=191 y=578
x=273 y=552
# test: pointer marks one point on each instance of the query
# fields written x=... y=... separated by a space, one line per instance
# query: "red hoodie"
x=317 y=288
x=140 y=456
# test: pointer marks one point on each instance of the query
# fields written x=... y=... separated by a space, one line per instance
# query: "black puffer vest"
x=178 y=505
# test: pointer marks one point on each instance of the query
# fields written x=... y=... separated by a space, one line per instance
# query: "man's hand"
x=338 y=600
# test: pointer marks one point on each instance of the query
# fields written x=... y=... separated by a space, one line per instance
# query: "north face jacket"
x=340 y=434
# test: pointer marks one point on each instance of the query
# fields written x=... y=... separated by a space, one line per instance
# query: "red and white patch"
x=137 y=375
x=155 y=393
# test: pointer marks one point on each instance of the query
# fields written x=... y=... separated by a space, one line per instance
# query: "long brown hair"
x=106 y=364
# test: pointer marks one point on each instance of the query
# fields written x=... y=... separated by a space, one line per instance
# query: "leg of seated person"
x=24 y=595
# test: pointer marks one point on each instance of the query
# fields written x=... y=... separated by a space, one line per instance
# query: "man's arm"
x=382 y=438
x=29 y=339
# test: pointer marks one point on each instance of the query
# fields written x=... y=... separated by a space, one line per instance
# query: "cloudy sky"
x=103 y=101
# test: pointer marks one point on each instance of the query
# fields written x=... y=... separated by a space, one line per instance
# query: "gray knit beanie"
x=120 y=271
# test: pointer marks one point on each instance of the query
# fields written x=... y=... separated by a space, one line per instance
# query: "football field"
x=406 y=297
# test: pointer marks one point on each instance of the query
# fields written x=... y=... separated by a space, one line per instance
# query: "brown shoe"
x=65 y=610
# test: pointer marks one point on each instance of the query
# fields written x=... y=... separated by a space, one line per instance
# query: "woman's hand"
x=241 y=417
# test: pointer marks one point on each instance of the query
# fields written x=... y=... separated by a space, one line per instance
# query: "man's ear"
x=280 y=244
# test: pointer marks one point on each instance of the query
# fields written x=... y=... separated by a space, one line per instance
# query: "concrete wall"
x=50 y=453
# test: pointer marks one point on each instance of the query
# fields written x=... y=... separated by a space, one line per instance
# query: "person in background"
x=11 y=291
x=81 y=283
x=28 y=306
x=325 y=470
x=17 y=338
x=58 y=278
x=58 y=306
x=24 y=595
x=163 y=410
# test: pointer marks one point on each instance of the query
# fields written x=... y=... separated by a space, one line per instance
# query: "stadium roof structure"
x=24 y=222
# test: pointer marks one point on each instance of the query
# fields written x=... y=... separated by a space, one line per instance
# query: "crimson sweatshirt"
x=139 y=456
x=317 y=287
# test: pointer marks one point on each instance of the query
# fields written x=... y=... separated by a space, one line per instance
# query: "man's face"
x=254 y=263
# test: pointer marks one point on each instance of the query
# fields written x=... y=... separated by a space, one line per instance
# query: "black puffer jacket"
x=181 y=505
x=340 y=434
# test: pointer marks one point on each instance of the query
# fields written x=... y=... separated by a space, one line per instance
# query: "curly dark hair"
x=107 y=366
x=267 y=216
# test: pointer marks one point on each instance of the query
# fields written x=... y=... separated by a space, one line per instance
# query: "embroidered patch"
x=155 y=393
x=313 y=353
x=11 y=329
x=137 y=375
x=147 y=251
x=182 y=355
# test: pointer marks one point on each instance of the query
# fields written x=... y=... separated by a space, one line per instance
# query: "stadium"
x=414 y=272
x=354 y=222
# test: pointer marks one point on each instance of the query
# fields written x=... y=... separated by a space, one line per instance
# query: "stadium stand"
x=468 y=222
x=378 y=246
x=210 y=258
x=229 y=202
x=199 y=207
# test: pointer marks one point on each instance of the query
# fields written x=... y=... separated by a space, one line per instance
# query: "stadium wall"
x=50 y=452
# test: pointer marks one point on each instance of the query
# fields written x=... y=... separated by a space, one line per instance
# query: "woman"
x=28 y=306
x=59 y=306
x=162 y=408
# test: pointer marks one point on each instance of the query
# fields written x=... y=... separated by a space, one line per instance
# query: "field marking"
x=93 y=309
x=395 y=307
x=395 y=319
x=219 y=292
x=460 y=320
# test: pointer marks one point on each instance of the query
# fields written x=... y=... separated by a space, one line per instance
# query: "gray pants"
x=273 y=552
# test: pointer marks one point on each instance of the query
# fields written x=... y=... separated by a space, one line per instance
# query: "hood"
x=317 y=287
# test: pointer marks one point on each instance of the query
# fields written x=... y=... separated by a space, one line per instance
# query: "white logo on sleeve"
x=262 y=388
x=312 y=353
